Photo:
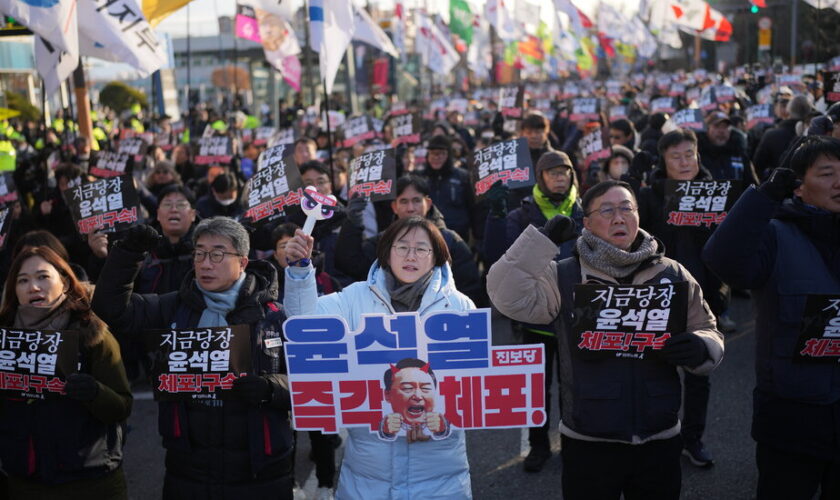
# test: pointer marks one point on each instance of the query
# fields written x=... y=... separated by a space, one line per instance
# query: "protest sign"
x=819 y=333
x=585 y=108
x=8 y=190
x=510 y=101
x=690 y=118
x=5 y=224
x=613 y=89
x=200 y=363
x=663 y=105
x=166 y=140
x=262 y=135
x=103 y=205
x=275 y=186
x=707 y=100
x=216 y=150
x=692 y=94
x=357 y=129
x=791 y=80
x=405 y=128
x=111 y=164
x=760 y=113
x=628 y=321
x=699 y=203
x=724 y=94
x=831 y=84
x=594 y=146
x=134 y=146
x=618 y=112
x=342 y=378
x=570 y=90
x=677 y=90
x=35 y=363
x=373 y=175
x=283 y=136
x=508 y=161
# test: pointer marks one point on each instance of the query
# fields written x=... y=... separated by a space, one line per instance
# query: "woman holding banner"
x=411 y=273
x=69 y=446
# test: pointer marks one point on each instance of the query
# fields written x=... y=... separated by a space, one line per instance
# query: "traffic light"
x=754 y=9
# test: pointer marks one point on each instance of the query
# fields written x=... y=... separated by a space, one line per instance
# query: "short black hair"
x=307 y=141
x=286 y=229
x=224 y=182
x=440 y=252
x=388 y=378
x=805 y=151
x=314 y=165
x=419 y=183
x=600 y=189
x=534 y=121
x=674 y=138
x=624 y=125
x=177 y=188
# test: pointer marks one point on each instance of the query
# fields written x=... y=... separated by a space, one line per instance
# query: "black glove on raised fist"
x=81 y=387
x=641 y=165
x=140 y=239
x=781 y=184
x=685 y=349
x=560 y=229
x=252 y=389
x=497 y=197
x=356 y=209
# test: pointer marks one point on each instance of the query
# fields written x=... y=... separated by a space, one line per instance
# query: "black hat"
x=439 y=142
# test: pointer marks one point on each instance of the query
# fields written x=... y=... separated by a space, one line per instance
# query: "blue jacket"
x=784 y=253
x=373 y=468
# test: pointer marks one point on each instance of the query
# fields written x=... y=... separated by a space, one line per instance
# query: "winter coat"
x=613 y=399
x=727 y=162
x=220 y=442
x=773 y=144
x=208 y=206
x=452 y=194
x=165 y=267
x=784 y=253
x=373 y=468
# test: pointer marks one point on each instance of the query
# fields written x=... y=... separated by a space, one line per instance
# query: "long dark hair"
x=78 y=298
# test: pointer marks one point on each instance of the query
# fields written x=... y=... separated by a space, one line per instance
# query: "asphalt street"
x=496 y=456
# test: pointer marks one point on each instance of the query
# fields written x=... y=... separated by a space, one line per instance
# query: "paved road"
x=496 y=456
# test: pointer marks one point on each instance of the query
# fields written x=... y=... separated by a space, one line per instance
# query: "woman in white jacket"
x=411 y=273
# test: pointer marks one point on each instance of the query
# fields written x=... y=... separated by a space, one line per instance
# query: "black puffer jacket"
x=727 y=162
x=452 y=194
x=218 y=442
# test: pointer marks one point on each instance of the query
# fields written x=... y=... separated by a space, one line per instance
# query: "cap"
x=439 y=142
x=552 y=159
x=716 y=117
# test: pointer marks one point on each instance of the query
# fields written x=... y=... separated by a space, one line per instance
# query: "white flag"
x=479 y=56
x=663 y=23
x=369 y=32
x=331 y=25
x=824 y=4
x=118 y=31
x=54 y=20
x=500 y=18
x=575 y=22
x=434 y=48
x=54 y=65
x=692 y=14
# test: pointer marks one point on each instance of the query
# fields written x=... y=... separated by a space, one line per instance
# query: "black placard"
x=585 y=108
x=663 y=105
x=8 y=190
x=357 y=129
x=760 y=113
x=405 y=128
x=510 y=101
x=35 y=363
x=201 y=363
x=831 y=84
x=104 y=205
x=507 y=161
x=699 y=203
x=628 y=321
x=275 y=186
x=690 y=118
x=373 y=175
x=214 y=151
x=110 y=164
x=134 y=146
x=819 y=333
x=594 y=146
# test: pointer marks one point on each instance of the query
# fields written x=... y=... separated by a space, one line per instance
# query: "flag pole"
x=329 y=132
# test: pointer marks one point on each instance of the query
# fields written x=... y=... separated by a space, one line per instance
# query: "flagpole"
x=329 y=132
x=307 y=56
x=189 y=78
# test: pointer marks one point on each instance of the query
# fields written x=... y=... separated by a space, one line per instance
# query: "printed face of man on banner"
x=411 y=390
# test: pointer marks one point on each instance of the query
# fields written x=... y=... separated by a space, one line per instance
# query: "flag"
x=55 y=21
x=507 y=28
x=54 y=65
x=574 y=15
x=398 y=28
x=824 y=4
x=760 y=3
x=331 y=28
x=461 y=20
x=434 y=49
x=720 y=31
x=662 y=23
x=117 y=31
x=369 y=32
x=692 y=14
x=479 y=56
x=157 y=10
x=262 y=21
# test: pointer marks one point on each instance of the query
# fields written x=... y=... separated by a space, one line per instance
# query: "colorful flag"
x=55 y=21
x=461 y=20
x=158 y=10
x=500 y=18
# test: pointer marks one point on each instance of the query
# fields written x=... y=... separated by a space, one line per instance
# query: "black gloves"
x=140 y=239
x=781 y=184
x=356 y=209
x=81 y=387
x=560 y=229
x=641 y=165
x=685 y=349
x=253 y=389
x=497 y=197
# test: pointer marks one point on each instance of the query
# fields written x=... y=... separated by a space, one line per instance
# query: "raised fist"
x=393 y=423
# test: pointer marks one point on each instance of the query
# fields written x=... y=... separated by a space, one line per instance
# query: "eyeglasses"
x=216 y=256
x=179 y=205
x=556 y=173
x=609 y=212
x=420 y=252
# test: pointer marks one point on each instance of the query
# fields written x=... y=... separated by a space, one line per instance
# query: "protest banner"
x=35 y=363
x=791 y=80
x=707 y=100
x=510 y=101
x=5 y=224
x=216 y=150
x=663 y=105
x=262 y=135
x=111 y=164
x=373 y=175
x=819 y=333
x=508 y=161
x=405 y=128
x=134 y=146
x=198 y=364
x=275 y=186
x=594 y=146
x=699 y=203
x=570 y=90
x=831 y=84
x=613 y=89
x=341 y=378
x=357 y=129
x=585 y=108
x=103 y=205
x=8 y=190
x=760 y=113
x=690 y=118
x=618 y=112
x=725 y=94
x=166 y=140
x=677 y=90
x=628 y=321
x=283 y=136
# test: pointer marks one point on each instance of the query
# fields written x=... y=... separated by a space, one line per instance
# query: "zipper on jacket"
x=387 y=303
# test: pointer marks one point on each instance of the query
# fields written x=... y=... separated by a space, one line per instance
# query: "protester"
x=619 y=428
x=451 y=190
x=223 y=198
x=411 y=274
x=69 y=446
x=775 y=141
x=780 y=240
x=211 y=445
x=724 y=151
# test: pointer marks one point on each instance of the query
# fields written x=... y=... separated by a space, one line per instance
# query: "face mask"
x=226 y=203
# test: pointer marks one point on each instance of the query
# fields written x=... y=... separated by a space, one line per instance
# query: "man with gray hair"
x=776 y=140
x=239 y=447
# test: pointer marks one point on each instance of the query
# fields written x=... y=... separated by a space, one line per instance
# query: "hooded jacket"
x=452 y=193
x=772 y=146
x=727 y=162
x=373 y=468
x=213 y=441
x=784 y=252
x=616 y=399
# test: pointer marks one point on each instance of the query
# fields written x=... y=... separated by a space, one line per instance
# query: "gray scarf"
x=55 y=317
x=406 y=296
x=611 y=260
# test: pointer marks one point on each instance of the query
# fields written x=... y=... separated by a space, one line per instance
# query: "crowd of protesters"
x=195 y=261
